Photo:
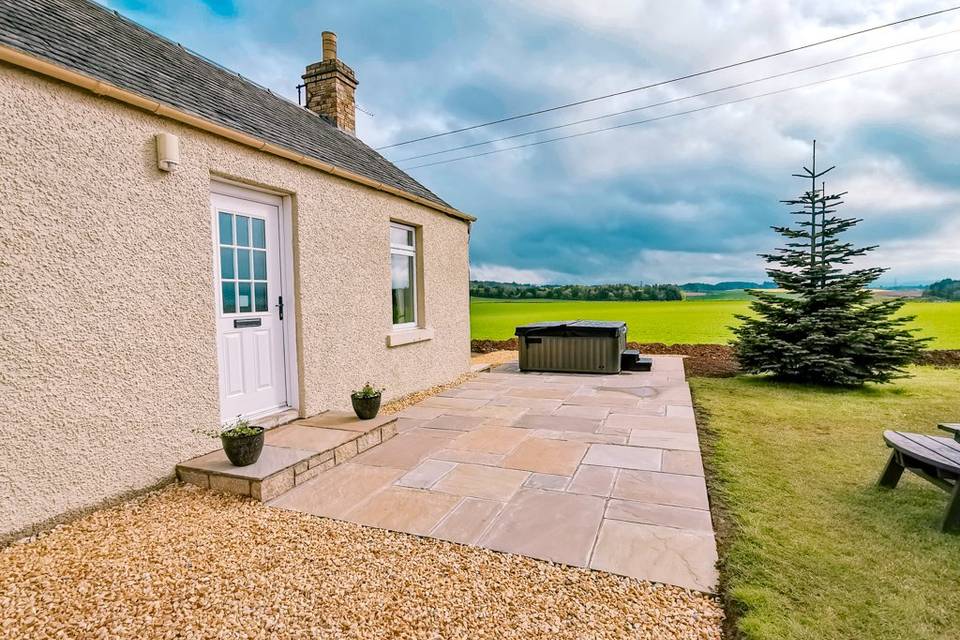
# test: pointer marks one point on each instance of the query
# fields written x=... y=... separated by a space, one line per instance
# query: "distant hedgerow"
x=514 y=291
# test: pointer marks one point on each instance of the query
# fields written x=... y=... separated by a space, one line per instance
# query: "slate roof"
x=95 y=41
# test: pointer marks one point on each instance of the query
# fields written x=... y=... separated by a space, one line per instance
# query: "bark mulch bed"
x=704 y=360
x=940 y=357
x=711 y=360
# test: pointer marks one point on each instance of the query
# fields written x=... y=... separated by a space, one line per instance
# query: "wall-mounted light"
x=168 y=151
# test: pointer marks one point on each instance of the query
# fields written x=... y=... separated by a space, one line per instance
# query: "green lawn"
x=687 y=321
x=815 y=550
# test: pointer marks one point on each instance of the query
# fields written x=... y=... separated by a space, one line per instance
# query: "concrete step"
x=292 y=454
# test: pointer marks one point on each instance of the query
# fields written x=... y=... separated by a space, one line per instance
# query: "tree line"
x=618 y=292
x=945 y=289
x=703 y=287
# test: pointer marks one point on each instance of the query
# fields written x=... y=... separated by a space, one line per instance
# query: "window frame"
x=409 y=251
x=236 y=279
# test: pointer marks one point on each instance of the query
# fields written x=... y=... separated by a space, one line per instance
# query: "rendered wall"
x=108 y=357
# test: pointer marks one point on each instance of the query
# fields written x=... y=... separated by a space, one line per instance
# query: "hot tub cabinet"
x=574 y=346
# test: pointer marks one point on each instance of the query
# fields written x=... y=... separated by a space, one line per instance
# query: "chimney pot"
x=329 y=45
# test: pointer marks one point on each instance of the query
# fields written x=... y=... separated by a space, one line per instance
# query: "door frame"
x=283 y=202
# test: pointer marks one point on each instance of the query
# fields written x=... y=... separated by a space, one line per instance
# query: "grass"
x=813 y=550
x=688 y=321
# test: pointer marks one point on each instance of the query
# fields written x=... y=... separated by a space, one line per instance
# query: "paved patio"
x=599 y=471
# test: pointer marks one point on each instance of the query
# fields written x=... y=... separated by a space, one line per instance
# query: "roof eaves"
x=19 y=58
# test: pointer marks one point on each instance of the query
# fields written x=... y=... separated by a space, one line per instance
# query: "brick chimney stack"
x=330 y=86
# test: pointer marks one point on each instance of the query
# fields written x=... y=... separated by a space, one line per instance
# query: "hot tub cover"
x=572 y=328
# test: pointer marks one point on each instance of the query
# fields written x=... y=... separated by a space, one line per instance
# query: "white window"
x=403 y=275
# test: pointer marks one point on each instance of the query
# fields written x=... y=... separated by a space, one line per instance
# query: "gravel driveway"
x=188 y=563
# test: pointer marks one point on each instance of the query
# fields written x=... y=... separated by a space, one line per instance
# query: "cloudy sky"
x=682 y=198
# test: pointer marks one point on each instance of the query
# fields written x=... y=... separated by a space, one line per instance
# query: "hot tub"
x=572 y=346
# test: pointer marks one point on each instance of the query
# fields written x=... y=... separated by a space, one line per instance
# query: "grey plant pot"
x=244 y=450
x=366 y=408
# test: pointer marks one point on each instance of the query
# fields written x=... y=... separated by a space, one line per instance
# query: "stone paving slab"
x=308 y=438
x=624 y=457
x=404 y=509
x=499 y=440
x=593 y=471
x=345 y=421
x=549 y=525
x=682 y=557
x=340 y=490
x=542 y=455
x=426 y=474
x=480 y=481
x=467 y=521
x=592 y=480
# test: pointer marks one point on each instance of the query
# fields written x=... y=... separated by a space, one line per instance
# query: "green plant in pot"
x=242 y=442
x=366 y=401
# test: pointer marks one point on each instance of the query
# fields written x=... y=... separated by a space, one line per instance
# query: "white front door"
x=249 y=295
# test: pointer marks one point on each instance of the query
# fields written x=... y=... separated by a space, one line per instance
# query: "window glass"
x=229 y=294
x=226 y=228
x=244 y=302
x=403 y=277
x=259 y=233
x=401 y=236
x=226 y=263
x=260 y=296
x=243 y=264
x=259 y=265
x=243 y=231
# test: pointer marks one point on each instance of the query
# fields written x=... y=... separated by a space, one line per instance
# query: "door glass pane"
x=403 y=237
x=228 y=291
x=259 y=233
x=226 y=263
x=244 y=303
x=259 y=265
x=243 y=263
x=226 y=228
x=402 y=285
x=260 y=296
x=243 y=231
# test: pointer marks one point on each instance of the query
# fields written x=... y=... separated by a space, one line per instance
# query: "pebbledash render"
x=141 y=304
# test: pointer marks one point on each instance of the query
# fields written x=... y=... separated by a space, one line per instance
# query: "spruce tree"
x=827 y=328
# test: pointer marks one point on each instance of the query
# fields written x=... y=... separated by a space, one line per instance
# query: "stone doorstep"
x=281 y=468
x=276 y=419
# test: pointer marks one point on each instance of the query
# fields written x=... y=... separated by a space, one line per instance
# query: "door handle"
x=280 y=306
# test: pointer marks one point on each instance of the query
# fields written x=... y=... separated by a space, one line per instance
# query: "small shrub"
x=235 y=429
x=367 y=391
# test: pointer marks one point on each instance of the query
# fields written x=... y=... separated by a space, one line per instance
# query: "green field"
x=682 y=321
x=811 y=549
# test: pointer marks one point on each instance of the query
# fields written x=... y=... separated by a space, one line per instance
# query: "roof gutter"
x=99 y=87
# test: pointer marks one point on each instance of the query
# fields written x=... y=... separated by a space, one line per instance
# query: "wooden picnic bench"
x=933 y=458
x=952 y=427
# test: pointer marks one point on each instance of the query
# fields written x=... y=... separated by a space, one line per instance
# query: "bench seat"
x=933 y=458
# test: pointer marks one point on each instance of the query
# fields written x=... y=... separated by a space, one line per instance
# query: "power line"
x=683 y=113
x=672 y=80
x=675 y=100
